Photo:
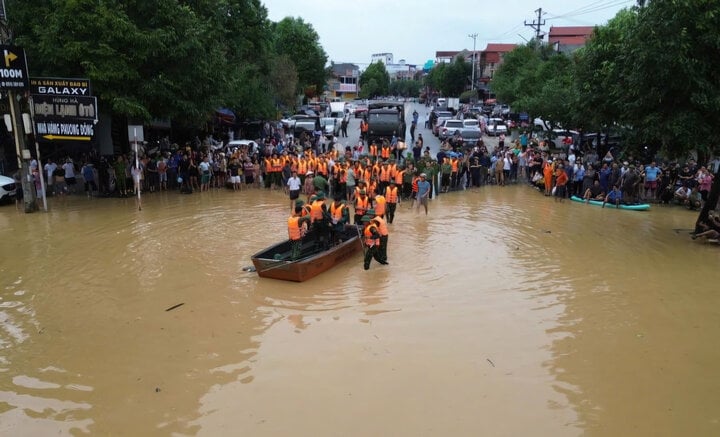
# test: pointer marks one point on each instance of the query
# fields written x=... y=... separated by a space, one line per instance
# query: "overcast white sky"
x=352 y=30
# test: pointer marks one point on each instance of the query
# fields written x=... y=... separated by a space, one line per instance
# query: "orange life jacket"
x=385 y=152
x=369 y=239
x=380 y=204
x=371 y=189
x=454 y=165
x=391 y=194
x=373 y=150
x=361 y=205
x=322 y=168
x=399 y=177
x=316 y=210
x=302 y=167
x=277 y=165
x=381 y=225
x=385 y=173
x=295 y=231
x=337 y=211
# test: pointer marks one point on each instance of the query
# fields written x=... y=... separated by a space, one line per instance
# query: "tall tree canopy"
x=374 y=81
x=298 y=40
x=155 y=58
x=450 y=79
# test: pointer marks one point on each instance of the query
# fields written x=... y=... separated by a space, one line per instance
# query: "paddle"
x=357 y=228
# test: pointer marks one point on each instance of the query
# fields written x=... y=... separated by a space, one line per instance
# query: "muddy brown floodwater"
x=501 y=313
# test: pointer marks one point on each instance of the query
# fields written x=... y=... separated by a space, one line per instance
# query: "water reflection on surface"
x=501 y=313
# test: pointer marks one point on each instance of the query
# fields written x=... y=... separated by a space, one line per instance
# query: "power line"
x=591 y=8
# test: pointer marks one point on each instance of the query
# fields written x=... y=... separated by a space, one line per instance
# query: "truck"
x=448 y=104
x=385 y=120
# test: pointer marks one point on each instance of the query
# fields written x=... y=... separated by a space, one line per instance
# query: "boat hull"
x=638 y=207
x=272 y=262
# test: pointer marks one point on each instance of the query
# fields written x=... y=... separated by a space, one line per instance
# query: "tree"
x=375 y=72
x=152 y=58
x=435 y=77
x=405 y=88
x=370 y=89
x=456 y=77
x=284 y=79
x=538 y=81
x=298 y=40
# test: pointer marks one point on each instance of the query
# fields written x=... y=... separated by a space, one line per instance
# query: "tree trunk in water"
x=711 y=203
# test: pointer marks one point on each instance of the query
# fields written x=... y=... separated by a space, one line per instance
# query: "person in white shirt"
x=294 y=184
x=205 y=173
x=50 y=168
x=70 y=175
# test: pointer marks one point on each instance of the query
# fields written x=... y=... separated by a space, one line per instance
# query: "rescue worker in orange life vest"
x=362 y=204
x=371 y=239
x=320 y=219
x=297 y=227
x=339 y=215
x=392 y=198
x=382 y=228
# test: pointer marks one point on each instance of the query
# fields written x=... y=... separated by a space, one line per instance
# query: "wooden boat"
x=636 y=207
x=274 y=262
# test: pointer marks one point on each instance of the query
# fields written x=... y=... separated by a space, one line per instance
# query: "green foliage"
x=435 y=76
x=450 y=79
x=370 y=89
x=469 y=96
x=456 y=77
x=374 y=81
x=300 y=42
x=405 y=88
x=284 y=79
x=167 y=59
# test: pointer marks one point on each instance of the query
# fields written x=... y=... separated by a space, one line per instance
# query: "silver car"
x=496 y=126
x=7 y=188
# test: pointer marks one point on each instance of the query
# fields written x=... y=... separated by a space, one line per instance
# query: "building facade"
x=567 y=39
x=344 y=81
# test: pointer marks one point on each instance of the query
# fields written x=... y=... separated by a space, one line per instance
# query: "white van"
x=337 y=109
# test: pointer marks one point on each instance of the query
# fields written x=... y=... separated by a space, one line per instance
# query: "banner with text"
x=64 y=107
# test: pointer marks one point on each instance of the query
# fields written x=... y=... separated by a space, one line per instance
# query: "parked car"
x=496 y=126
x=360 y=110
x=471 y=122
x=289 y=123
x=449 y=127
x=440 y=117
x=250 y=145
x=470 y=136
x=307 y=125
x=7 y=188
x=330 y=126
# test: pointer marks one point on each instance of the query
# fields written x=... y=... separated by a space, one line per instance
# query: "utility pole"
x=474 y=38
x=537 y=24
x=16 y=123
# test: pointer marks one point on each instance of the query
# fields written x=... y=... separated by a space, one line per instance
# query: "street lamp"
x=474 y=38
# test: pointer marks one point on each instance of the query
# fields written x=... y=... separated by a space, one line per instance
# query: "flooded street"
x=501 y=313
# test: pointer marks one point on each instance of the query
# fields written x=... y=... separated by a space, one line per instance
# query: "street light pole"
x=474 y=38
